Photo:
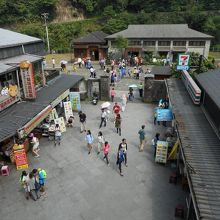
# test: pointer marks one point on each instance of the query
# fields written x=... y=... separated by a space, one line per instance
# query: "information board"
x=161 y=152
x=183 y=62
x=60 y=121
x=164 y=114
x=20 y=157
x=68 y=109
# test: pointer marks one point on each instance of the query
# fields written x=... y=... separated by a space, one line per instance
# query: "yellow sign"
x=13 y=90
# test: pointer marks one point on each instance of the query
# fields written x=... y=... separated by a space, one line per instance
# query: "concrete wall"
x=154 y=90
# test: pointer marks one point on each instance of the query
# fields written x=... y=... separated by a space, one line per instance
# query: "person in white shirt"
x=101 y=141
x=103 y=118
x=53 y=62
x=35 y=148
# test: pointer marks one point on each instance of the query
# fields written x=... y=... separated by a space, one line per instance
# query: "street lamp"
x=45 y=17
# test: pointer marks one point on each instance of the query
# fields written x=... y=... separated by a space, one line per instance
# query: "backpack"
x=42 y=173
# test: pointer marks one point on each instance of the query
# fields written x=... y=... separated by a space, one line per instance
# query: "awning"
x=19 y=114
x=10 y=64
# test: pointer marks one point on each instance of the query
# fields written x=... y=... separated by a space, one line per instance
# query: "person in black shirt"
x=124 y=147
x=82 y=119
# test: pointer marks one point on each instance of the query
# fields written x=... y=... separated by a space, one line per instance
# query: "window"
x=149 y=43
x=164 y=43
x=197 y=43
x=134 y=43
x=179 y=43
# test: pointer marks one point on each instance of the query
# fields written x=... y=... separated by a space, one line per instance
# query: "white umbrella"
x=105 y=105
x=133 y=86
x=63 y=62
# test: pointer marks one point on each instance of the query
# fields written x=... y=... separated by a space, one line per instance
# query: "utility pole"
x=45 y=17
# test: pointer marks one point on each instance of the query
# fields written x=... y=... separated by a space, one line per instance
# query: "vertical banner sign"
x=27 y=75
x=53 y=115
x=75 y=100
x=161 y=152
x=183 y=62
x=68 y=109
x=20 y=157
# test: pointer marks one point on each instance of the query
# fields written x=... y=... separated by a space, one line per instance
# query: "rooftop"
x=161 y=70
x=10 y=38
x=16 y=116
x=201 y=149
x=210 y=82
x=94 y=37
x=160 y=31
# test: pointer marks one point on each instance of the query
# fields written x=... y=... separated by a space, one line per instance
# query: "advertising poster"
x=183 y=62
x=68 y=109
x=161 y=152
x=20 y=157
x=75 y=100
x=60 y=121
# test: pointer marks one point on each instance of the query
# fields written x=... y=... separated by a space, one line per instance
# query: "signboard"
x=164 y=114
x=27 y=75
x=68 y=109
x=75 y=100
x=161 y=152
x=7 y=102
x=20 y=157
x=60 y=121
x=37 y=119
x=183 y=62
x=53 y=115
x=60 y=98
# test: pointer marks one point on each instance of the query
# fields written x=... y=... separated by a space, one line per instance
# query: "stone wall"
x=154 y=90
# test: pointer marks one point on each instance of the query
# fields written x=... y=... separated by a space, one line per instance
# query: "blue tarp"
x=164 y=114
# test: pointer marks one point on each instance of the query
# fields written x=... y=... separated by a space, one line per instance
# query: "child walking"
x=106 y=148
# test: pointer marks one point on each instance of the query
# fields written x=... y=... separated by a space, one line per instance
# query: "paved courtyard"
x=83 y=187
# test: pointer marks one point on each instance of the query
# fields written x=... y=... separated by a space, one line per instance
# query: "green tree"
x=121 y=44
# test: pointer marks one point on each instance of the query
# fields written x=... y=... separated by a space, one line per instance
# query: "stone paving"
x=83 y=187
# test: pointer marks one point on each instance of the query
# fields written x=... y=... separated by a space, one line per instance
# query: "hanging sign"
x=27 y=75
x=75 y=100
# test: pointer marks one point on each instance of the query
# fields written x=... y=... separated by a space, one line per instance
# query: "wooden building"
x=93 y=46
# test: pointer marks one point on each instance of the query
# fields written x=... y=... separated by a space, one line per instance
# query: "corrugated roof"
x=161 y=70
x=19 y=114
x=10 y=38
x=210 y=82
x=94 y=37
x=160 y=31
x=201 y=148
x=12 y=63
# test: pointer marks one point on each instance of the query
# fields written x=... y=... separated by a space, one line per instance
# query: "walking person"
x=24 y=183
x=53 y=62
x=42 y=175
x=120 y=159
x=131 y=94
x=154 y=142
x=82 y=119
x=89 y=139
x=103 y=118
x=140 y=88
x=101 y=142
x=124 y=147
x=116 y=109
x=58 y=134
x=113 y=93
x=141 y=133
x=36 y=181
x=35 y=145
x=118 y=124
x=33 y=192
x=106 y=148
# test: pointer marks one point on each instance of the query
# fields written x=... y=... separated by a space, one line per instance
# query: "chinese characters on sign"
x=161 y=152
x=68 y=109
x=183 y=62
x=27 y=75
x=20 y=157
x=7 y=102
